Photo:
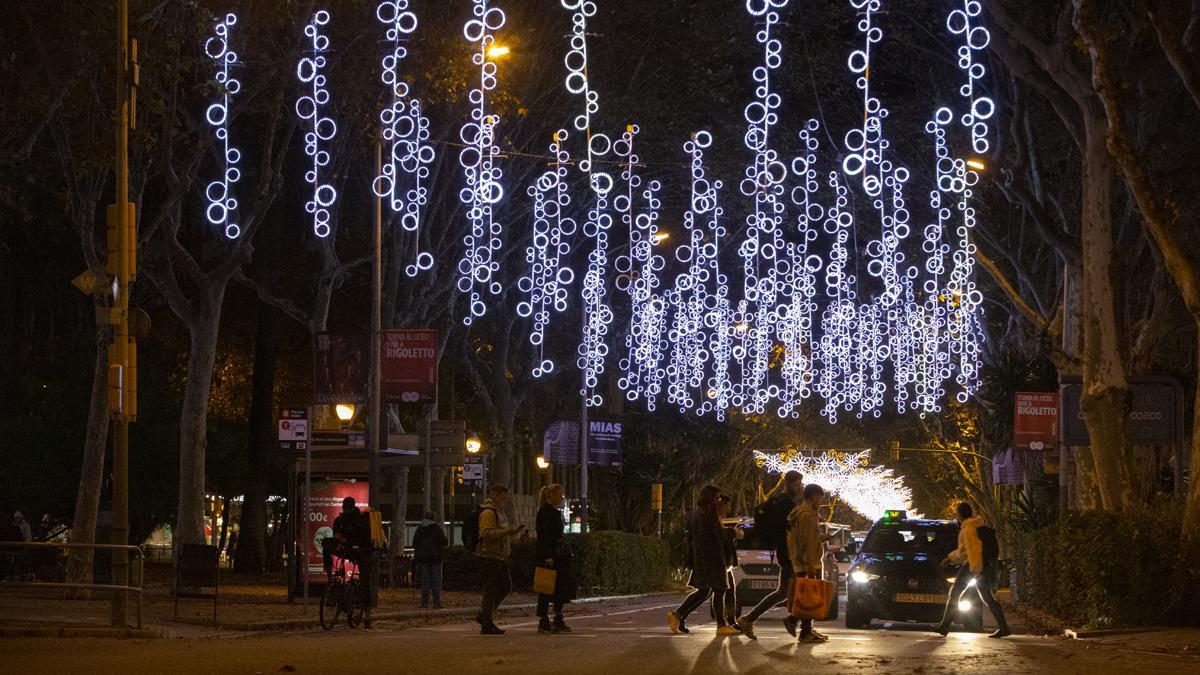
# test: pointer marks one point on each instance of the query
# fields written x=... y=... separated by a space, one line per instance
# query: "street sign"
x=293 y=429
x=472 y=472
x=1153 y=412
x=409 y=367
x=1035 y=420
x=339 y=368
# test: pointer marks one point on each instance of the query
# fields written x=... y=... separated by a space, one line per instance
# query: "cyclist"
x=351 y=541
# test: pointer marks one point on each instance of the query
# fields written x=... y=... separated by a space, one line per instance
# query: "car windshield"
x=750 y=541
x=910 y=538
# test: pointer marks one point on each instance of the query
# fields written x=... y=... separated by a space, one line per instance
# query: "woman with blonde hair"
x=553 y=552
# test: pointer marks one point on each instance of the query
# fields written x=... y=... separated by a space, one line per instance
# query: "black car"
x=898 y=575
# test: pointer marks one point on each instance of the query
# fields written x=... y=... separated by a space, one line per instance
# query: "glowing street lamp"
x=542 y=463
x=345 y=411
x=976 y=164
x=498 y=51
x=474 y=445
x=660 y=237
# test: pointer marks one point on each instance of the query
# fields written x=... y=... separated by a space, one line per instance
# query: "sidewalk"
x=242 y=606
x=1178 y=642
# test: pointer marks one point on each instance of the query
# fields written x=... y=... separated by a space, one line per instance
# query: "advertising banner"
x=560 y=444
x=1153 y=413
x=319 y=514
x=340 y=368
x=1035 y=420
x=409 y=368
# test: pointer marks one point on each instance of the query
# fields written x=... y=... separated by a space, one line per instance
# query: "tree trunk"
x=397 y=537
x=1105 y=390
x=252 y=540
x=193 y=420
x=1191 y=521
x=91 y=474
x=439 y=494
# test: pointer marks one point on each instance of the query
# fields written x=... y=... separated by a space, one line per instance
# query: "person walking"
x=976 y=562
x=554 y=552
x=495 y=535
x=708 y=565
x=730 y=535
x=21 y=525
x=429 y=545
x=806 y=548
x=771 y=527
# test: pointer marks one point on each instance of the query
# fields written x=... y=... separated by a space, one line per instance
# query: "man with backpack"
x=771 y=526
x=978 y=558
x=429 y=542
x=491 y=542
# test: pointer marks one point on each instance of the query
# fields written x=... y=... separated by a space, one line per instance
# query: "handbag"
x=810 y=598
x=544 y=580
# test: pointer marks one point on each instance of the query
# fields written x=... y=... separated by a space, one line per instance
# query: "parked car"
x=897 y=574
x=757 y=573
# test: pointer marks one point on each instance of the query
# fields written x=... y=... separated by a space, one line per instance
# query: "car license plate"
x=767 y=585
x=928 y=598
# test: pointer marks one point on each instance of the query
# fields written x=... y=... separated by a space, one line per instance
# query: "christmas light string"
x=222 y=203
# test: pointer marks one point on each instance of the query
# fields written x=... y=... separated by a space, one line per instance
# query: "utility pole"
x=122 y=354
x=374 y=413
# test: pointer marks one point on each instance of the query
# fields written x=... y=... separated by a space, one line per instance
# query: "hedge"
x=1099 y=569
x=605 y=563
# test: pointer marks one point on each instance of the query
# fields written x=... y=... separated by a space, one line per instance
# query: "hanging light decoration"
x=869 y=490
x=321 y=129
x=405 y=133
x=222 y=203
x=478 y=266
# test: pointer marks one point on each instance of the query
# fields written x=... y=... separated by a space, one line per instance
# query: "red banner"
x=323 y=508
x=1035 y=420
x=409 y=368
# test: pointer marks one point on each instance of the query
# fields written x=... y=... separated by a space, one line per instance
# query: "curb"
x=1082 y=634
x=80 y=632
x=311 y=622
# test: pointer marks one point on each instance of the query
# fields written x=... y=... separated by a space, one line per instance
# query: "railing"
x=36 y=545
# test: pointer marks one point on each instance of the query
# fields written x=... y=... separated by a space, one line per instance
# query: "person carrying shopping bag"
x=553 y=554
x=806 y=549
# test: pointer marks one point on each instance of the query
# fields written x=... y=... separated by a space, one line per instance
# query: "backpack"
x=991 y=545
x=470 y=531
x=770 y=524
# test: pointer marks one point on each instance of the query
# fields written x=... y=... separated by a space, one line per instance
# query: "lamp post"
x=474 y=446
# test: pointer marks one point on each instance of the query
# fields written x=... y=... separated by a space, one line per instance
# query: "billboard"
x=409 y=368
x=340 y=368
x=322 y=508
x=1035 y=420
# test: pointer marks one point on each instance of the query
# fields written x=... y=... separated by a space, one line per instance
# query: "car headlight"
x=862 y=576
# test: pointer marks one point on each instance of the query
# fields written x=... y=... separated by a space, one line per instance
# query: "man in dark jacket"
x=429 y=543
x=780 y=506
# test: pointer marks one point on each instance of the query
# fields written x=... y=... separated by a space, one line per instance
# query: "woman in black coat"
x=709 y=564
x=553 y=552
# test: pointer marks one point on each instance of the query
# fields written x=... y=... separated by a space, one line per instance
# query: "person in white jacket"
x=975 y=569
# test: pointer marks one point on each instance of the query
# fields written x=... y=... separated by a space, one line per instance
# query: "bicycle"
x=343 y=595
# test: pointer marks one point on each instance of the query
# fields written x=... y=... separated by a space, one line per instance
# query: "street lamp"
x=497 y=51
x=660 y=237
x=474 y=445
x=976 y=164
x=542 y=463
x=345 y=411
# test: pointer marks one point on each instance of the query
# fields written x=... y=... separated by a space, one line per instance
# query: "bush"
x=605 y=563
x=1101 y=569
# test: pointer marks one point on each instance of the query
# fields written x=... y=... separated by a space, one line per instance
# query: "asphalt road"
x=630 y=637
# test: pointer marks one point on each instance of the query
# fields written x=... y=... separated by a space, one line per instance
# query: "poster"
x=324 y=506
x=560 y=443
x=340 y=368
x=1035 y=420
x=409 y=368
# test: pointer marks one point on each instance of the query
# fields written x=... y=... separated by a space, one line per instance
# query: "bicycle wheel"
x=331 y=604
x=355 y=606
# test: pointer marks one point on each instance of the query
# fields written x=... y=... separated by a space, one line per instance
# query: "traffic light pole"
x=120 y=356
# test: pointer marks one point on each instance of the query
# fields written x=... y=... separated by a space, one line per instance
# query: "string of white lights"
x=869 y=490
x=405 y=132
x=576 y=61
x=548 y=278
x=975 y=39
x=478 y=267
x=222 y=203
x=322 y=129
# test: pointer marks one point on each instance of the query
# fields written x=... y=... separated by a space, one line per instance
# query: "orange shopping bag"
x=810 y=598
x=544 y=580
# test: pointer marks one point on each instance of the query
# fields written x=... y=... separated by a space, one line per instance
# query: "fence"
x=19 y=562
